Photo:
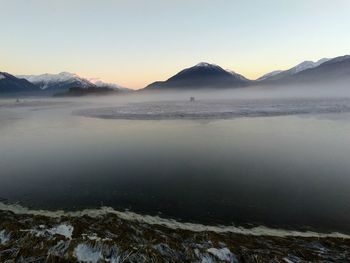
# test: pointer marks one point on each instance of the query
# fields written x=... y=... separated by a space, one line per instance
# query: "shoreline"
x=170 y=223
x=98 y=238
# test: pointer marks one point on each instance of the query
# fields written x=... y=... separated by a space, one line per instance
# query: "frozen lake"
x=280 y=163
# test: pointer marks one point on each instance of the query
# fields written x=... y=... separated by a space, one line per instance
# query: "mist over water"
x=288 y=166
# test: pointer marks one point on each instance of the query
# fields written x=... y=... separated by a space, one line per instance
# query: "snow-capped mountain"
x=212 y=69
x=61 y=81
x=205 y=65
x=280 y=74
x=66 y=80
x=202 y=75
x=307 y=65
x=325 y=71
x=11 y=84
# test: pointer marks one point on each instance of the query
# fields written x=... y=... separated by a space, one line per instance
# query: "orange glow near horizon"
x=139 y=77
x=129 y=80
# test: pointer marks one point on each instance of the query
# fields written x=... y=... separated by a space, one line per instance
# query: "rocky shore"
x=109 y=237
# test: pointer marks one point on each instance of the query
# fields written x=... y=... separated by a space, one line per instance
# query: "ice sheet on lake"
x=222 y=109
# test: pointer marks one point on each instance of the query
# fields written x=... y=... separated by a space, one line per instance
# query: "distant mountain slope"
x=202 y=75
x=101 y=84
x=280 y=74
x=58 y=82
x=11 y=84
x=336 y=70
x=269 y=75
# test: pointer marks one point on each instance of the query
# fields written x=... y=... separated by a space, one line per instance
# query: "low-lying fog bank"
x=332 y=90
x=211 y=103
x=217 y=109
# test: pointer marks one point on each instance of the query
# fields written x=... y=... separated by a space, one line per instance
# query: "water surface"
x=288 y=171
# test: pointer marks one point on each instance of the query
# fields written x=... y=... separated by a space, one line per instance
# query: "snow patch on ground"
x=95 y=237
x=63 y=230
x=4 y=237
x=86 y=253
x=2 y=77
x=94 y=254
x=207 y=259
x=292 y=259
x=223 y=254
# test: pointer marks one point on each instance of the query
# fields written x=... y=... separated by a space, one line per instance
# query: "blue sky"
x=134 y=43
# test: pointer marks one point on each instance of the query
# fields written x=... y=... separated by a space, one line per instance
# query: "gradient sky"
x=134 y=43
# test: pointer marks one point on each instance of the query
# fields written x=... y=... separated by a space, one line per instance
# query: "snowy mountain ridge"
x=270 y=74
x=307 y=65
x=65 y=80
x=294 y=70
x=44 y=81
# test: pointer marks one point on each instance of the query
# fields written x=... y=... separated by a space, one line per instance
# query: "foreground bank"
x=107 y=236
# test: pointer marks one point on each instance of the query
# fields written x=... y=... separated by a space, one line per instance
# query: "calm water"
x=286 y=171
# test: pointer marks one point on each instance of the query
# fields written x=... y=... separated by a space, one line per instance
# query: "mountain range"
x=326 y=71
x=57 y=82
x=50 y=84
x=279 y=74
x=205 y=75
x=202 y=75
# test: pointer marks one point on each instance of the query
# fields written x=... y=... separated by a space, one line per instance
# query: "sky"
x=134 y=43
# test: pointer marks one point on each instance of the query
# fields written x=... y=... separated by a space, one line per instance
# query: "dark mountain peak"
x=3 y=75
x=11 y=84
x=201 y=70
x=6 y=76
x=202 y=75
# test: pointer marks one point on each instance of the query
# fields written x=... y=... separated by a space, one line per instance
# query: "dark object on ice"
x=17 y=100
x=192 y=99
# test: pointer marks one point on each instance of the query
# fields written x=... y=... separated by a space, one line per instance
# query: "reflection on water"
x=285 y=171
